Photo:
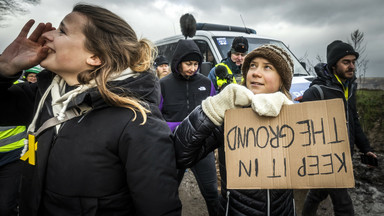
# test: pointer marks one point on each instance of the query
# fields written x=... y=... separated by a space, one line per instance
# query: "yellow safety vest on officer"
x=12 y=138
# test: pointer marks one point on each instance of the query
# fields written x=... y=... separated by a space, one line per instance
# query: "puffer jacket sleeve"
x=194 y=138
x=148 y=154
x=17 y=101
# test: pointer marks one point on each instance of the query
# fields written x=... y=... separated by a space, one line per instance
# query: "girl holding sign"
x=98 y=144
x=267 y=73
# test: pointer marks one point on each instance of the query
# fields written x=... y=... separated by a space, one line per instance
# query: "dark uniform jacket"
x=179 y=94
x=195 y=137
x=331 y=89
x=101 y=163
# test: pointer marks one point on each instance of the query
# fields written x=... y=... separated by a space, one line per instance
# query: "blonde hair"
x=114 y=41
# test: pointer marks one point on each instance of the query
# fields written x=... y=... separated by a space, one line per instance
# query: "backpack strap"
x=68 y=115
x=320 y=90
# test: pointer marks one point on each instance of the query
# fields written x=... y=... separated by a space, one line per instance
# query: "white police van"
x=215 y=41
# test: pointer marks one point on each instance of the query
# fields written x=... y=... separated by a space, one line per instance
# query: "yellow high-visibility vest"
x=12 y=137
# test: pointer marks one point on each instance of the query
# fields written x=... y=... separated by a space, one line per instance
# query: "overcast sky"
x=307 y=27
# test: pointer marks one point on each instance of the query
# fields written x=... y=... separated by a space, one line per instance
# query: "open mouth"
x=257 y=84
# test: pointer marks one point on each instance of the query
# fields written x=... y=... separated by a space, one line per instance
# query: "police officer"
x=229 y=70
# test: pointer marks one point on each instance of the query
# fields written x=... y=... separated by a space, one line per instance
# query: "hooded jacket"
x=180 y=95
x=102 y=163
x=197 y=136
x=333 y=89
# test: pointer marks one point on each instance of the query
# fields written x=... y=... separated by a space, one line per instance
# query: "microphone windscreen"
x=221 y=71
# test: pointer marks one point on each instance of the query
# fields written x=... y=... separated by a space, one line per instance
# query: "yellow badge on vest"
x=31 y=153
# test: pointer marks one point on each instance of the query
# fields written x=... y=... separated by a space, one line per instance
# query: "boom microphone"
x=188 y=25
x=221 y=72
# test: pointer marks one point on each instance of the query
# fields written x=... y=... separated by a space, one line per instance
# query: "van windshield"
x=224 y=45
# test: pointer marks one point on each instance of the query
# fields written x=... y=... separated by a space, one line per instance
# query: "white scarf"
x=60 y=99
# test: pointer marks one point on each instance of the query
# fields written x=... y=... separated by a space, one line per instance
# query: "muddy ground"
x=367 y=196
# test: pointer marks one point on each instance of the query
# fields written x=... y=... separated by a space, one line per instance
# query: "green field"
x=370 y=106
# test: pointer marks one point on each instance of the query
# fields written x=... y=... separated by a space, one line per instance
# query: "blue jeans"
x=10 y=175
x=341 y=201
x=205 y=174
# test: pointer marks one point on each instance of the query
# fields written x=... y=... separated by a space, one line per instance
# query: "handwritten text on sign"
x=306 y=146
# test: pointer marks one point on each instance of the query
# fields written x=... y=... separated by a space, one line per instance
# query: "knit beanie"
x=279 y=58
x=239 y=44
x=160 y=60
x=192 y=57
x=337 y=50
x=35 y=70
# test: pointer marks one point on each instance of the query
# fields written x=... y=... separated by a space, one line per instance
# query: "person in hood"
x=336 y=79
x=267 y=73
x=97 y=142
x=231 y=65
x=181 y=92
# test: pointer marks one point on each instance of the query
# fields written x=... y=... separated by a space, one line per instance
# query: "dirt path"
x=191 y=198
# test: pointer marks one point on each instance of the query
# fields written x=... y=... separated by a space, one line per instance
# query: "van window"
x=206 y=51
x=224 y=45
x=168 y=49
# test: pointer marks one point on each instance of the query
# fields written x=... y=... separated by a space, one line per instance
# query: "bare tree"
x=310 y=65
x=357 y=41
x=13 y=7
x=319 y=59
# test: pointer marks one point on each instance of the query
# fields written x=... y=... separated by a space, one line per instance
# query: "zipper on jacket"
x=227 y=207
x=54 y=139
x=187 y=96
x=268 y=204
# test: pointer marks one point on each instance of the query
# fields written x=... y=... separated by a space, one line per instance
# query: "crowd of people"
x=109 y=129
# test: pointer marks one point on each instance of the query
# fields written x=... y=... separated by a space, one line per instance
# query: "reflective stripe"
x=12 y=138
x=11 y=131
x=12 y=146
x=4 y=128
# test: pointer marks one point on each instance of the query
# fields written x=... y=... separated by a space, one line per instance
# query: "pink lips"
x=257 y=84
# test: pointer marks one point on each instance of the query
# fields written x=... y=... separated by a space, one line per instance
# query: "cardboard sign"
x=306 y=146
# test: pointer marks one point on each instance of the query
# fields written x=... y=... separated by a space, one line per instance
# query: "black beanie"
x=240 y=44
x=160 y=60
x=192 y=57
x=337 y=50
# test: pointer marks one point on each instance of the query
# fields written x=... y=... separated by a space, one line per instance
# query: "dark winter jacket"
x=332 y=88
x=180 y=95
x=101 y=163
x=195 y=137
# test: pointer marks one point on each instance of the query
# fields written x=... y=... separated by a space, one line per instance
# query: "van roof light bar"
x=218 y=27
